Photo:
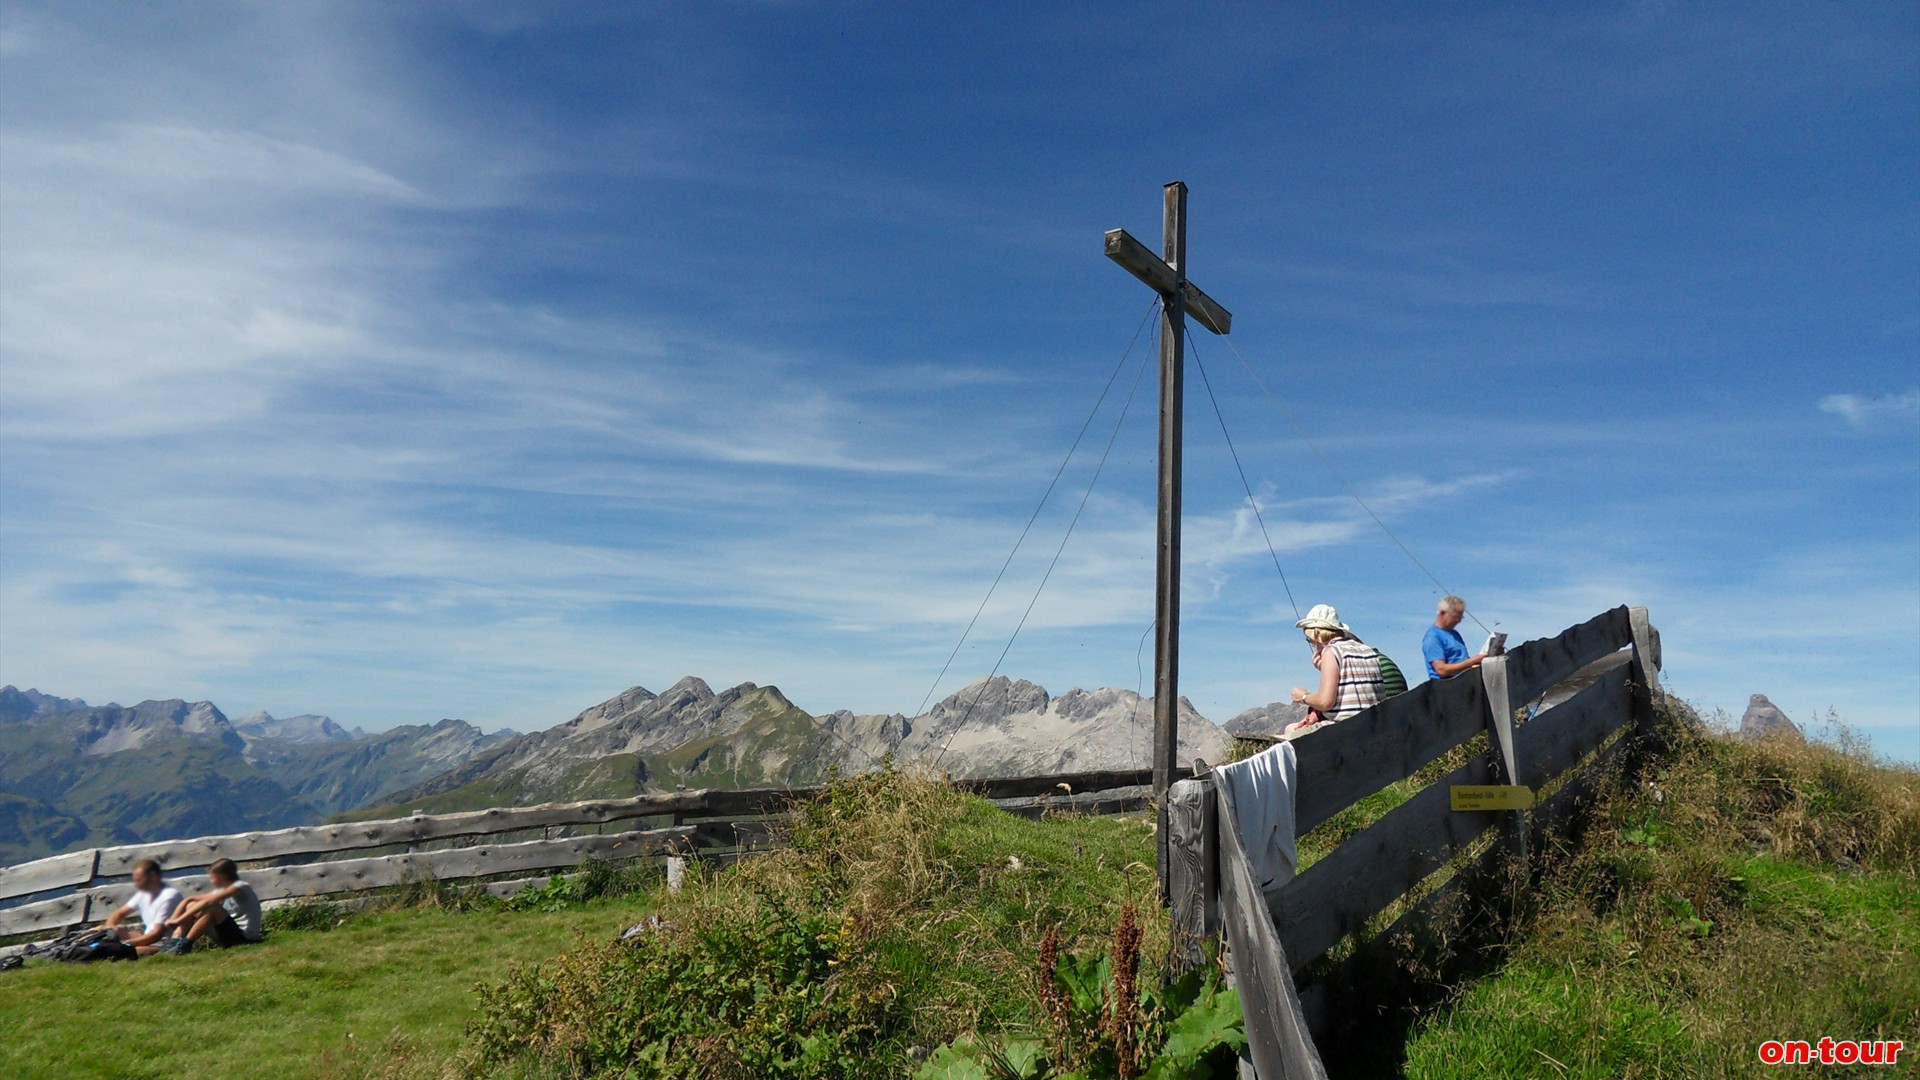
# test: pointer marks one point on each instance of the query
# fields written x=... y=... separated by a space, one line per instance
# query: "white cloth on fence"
x=1278 y=1042
x=1262 y=789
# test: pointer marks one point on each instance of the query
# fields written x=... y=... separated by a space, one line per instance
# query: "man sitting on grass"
x=230 y=911
x=153 y=900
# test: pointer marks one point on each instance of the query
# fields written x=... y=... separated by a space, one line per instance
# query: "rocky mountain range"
x=749 y=735
x=74 y=775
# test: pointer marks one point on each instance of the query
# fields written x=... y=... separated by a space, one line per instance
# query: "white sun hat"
x=1323 y=617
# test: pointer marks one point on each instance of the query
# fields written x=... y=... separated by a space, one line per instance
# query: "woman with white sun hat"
x=1350 y=673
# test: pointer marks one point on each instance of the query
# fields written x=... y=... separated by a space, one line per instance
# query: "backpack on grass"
x=88 y=946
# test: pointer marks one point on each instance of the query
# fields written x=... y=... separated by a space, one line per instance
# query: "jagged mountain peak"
x=994 y=696
x=305 y=728
x=623 y=704
x=112 y=729
x=18 y=703
x=692 y=685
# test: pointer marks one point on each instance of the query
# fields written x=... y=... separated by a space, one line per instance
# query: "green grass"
x=1741 y=893
x=1812 y=953
x=303 y=1004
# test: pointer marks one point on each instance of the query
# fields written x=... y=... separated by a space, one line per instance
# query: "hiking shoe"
x=176 y=946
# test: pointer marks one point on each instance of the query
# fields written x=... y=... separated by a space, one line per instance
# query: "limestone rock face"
x=749 y=736
x=1763 y=719
x=1267 y=719
x=305 y=729
x=1002 y=727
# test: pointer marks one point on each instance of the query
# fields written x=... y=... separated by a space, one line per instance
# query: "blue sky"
x=482 y=360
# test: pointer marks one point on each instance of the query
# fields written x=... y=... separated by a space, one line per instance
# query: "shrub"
x=901 y=913
x=770 y=995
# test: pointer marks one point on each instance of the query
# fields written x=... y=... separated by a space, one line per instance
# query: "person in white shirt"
x=153 y=901
x=230 y=911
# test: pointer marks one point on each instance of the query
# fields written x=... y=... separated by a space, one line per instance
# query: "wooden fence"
x=481 y=847
x=1559 y=712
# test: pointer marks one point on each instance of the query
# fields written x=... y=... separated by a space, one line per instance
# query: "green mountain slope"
x=74 y=775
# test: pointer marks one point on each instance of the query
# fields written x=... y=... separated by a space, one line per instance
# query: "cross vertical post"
x=1166 y=274
x=1166 y=592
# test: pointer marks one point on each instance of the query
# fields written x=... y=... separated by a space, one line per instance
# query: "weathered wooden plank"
x=348 y=836
x=1560 y=813
x=54 y=872
x=1558 y=738
x=1191 y=882
x=109 y=897
x=455 y=864
x=423 y=828
x=1564 y=689
x=1276 y=1028
x=452 y=864
x=44 y=915
x=1437 y=915
x=1141 y=262
x=1337 y=895
x=750 y=833
x=1011 y=787
x=1092 y=803
x=1343 y=763
x=1535 y=666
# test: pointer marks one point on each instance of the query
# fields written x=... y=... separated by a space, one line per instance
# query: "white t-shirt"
x=243 y=907
x=155 y=908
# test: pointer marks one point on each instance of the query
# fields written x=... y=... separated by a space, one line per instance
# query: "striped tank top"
x=1360 y=682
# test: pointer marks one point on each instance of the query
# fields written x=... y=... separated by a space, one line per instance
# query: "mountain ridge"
x=73 y=774
x=76 y=775
x=690 y=735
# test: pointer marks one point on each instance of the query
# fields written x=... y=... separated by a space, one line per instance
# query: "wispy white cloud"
x=1865 y=411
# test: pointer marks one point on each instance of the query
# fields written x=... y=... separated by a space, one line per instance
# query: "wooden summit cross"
x=1166 y=274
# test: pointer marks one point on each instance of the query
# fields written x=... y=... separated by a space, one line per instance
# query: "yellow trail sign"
x=1491 y=797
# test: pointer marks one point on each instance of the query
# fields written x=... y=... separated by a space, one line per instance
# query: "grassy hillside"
x=30 y=828
x=1742 y=892
x=1737 y=893
x=184 y=787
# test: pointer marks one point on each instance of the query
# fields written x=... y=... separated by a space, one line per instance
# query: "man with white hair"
x=1445 y=649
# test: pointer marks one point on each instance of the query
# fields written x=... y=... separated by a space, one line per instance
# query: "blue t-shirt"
x=1445 y=645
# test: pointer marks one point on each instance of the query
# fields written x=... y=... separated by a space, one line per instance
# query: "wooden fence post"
x=1192 y=873
x=1646 y=672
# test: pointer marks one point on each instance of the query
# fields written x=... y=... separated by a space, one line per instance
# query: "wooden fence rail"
x=1546 y=707
x=311 y=861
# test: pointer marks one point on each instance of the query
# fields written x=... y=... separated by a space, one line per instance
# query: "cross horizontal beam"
x=1142 y=263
